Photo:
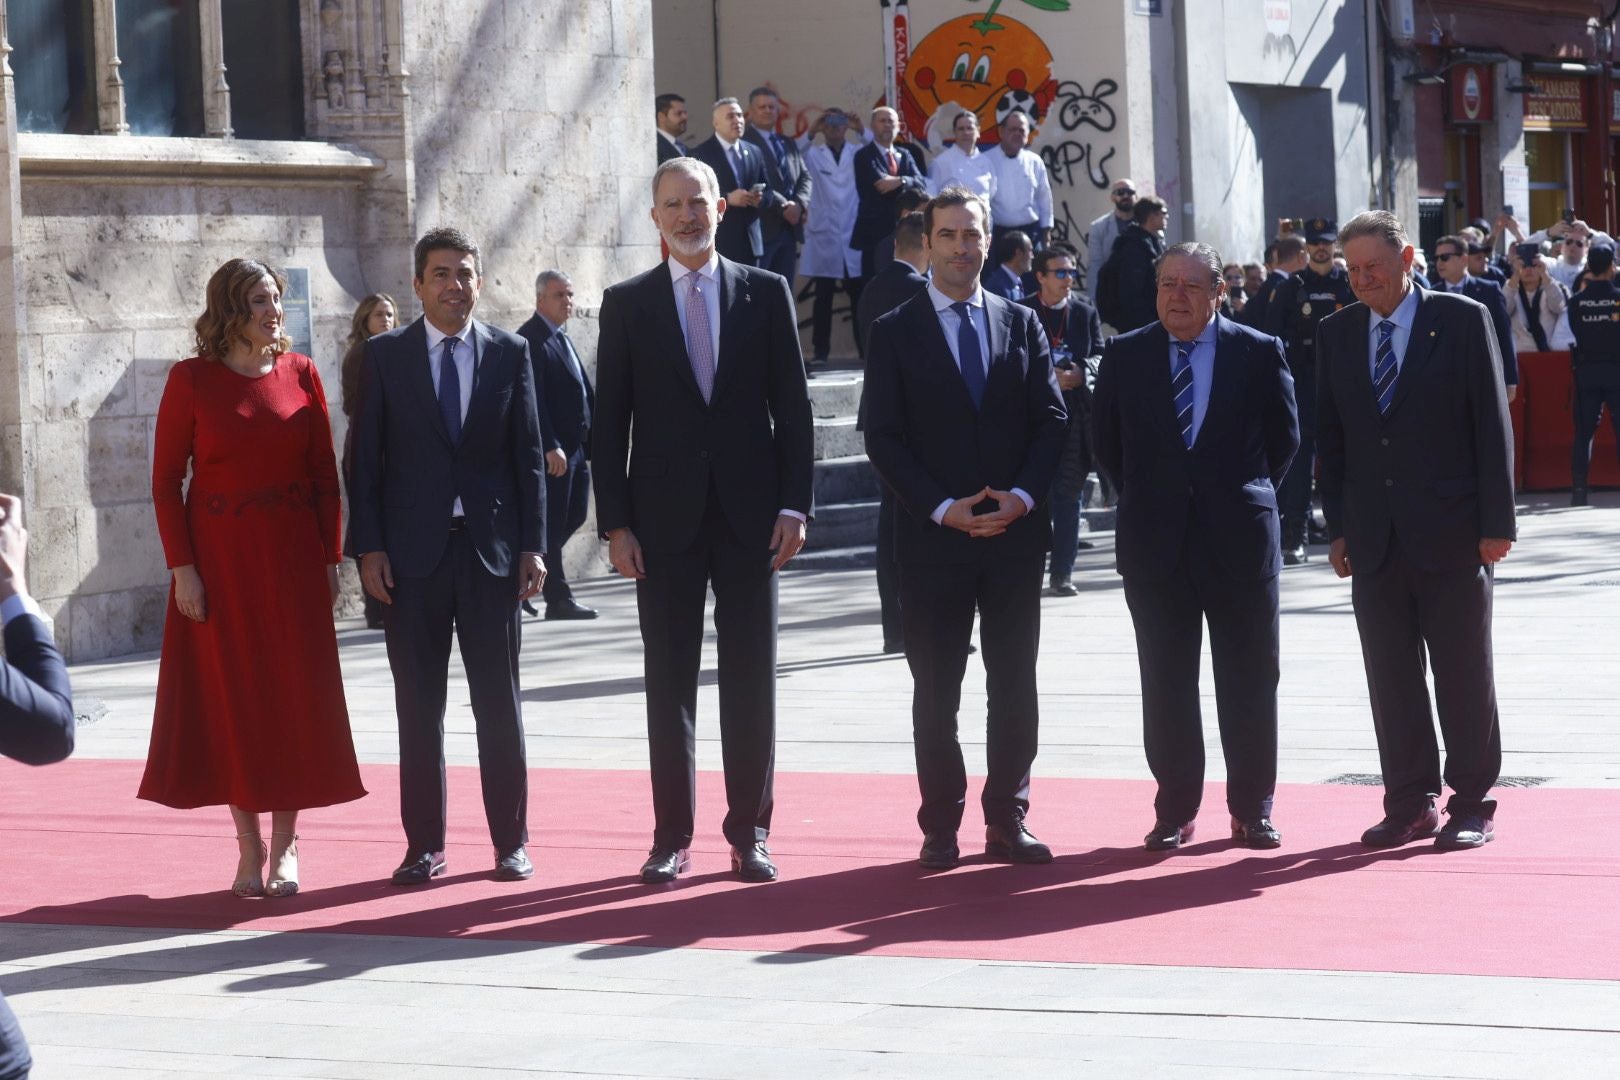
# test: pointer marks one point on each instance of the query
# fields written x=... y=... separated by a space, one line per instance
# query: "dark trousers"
x=1409 y=617
x=482 y=610
x=1596 y=385
x=888 y=572
x=821 y=313
x=1294 y=496
x=568 y=499
x=670 y=601
x=781 y=255
x=15 y=1060
x=937 y=605
x=1067 y=488
x=1169 y=615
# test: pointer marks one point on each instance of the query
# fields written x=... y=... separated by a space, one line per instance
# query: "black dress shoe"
x=1296 y=556
x=1014 y=843
x=1577 y=496
x=1256 y=833
x=569 y=609
x=665 y=864
x=1062 y=587
x=529 y=608
x=939 y=851
x=419 y=868
x=1395 y=831
x=1470 y=829
x=513 y=865
x=753 y=863
x=1168 y=835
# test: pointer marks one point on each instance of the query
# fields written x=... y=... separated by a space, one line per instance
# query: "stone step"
x=859 y=557
x=835 y=393
x=836 y=437
x=846 y=479
x=843 y=525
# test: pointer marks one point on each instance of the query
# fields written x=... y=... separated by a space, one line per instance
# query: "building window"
x=159 y=42
x=264 y=65
x=1547 y=153
x=54 y=45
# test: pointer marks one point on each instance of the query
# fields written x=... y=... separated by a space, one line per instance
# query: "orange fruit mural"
x=988 y=65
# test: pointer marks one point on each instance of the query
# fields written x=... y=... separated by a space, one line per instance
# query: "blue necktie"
x=1384 y=370
x=969 y=352
x=1181 y=385
x=781 y=155
x=450 y=391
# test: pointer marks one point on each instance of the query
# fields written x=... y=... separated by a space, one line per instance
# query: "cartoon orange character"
x=988 y=66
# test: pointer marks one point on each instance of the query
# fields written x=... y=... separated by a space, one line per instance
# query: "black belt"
x=458 y=523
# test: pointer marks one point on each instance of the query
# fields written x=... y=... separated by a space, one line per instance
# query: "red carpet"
x=1540 y=901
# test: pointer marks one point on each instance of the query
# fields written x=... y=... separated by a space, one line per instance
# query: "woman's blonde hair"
x=228 y=312
x=358 y=332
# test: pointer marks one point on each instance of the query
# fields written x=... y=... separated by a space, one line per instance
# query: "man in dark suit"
x=965 y=422
x=566 y=398
x=1128 y=302
x=1195 y=424
x=1014 y=255
x=448 y=503
x=740 y=167
x=700 y=357
x=892 y=286
x=1451 y=263
x=787 y=191
x=1074 y=333
x=882 y=171
x=671 y=125
x=36 y=706
x=1417 y=486
x=1290 y=260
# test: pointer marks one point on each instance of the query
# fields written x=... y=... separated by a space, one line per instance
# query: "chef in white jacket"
x=827 y=256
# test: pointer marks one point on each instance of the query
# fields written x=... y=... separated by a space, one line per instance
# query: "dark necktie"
x=1384 y=370
x=781 y=154
x=577 y=371
x=450 y=390
x=737 y=163
x=1181 y=385
x=969 y=352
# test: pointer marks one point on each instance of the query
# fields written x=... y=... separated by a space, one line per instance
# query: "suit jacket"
x=793 y=185
x=666 y=149
x=1489 y=293
x=739 y=236
x=1004 y=283
x=36 y=702
x=875 y=216
x=1225 y=486
x=565 y=401
x=929 y=443
x=408 y=474
x=1082 y=333
x=751 y=444
x=1255 y=311
x=1436 y=472
x=890 y=287
x=1137 y=250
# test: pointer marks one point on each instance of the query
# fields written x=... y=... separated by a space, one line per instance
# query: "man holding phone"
x=740 y=167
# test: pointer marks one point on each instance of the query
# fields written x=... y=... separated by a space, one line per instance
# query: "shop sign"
x=1279 y=15
x=1472 y=94
x=1558 y=103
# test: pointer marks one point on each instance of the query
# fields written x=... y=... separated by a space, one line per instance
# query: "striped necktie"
x=1384 y=370
x=1181 y=385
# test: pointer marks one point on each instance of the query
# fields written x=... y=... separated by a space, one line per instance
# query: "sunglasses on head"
x=1124 y=191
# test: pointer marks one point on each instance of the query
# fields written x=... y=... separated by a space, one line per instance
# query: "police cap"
x=1321 y=230
x=1600 y=258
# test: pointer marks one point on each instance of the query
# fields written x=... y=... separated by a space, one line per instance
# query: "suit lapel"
x=1419 y=348
x=1161 y=402
x=926 y=325
x=489 y=373
x=773 y=173
x=998 y=316
x=660 y=300
x=418 y=374
x=735 y=300
x=1224 y=377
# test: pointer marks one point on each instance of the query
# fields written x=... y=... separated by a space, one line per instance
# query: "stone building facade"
x=526 y=123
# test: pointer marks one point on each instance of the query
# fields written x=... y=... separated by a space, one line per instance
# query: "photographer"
x=36 y=708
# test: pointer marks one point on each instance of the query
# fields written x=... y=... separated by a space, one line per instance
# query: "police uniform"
x=1594 y=318
x=1299 y=304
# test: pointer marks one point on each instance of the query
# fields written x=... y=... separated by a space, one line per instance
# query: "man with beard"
x=700 y=357
x=1105 y=230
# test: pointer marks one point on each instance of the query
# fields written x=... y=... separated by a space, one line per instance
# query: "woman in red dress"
x=250 y=710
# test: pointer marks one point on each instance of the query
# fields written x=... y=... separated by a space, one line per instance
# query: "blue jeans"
x=1065 y=534
x=15 y=1061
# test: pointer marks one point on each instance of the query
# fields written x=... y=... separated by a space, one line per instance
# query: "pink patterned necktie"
x=699 y=340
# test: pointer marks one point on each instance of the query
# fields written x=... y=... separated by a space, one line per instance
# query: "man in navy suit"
x=1015 y=257
x=449 y=512
x=787 y=190
x=740 y=167
x=566 y=400
x=882 y=171
x=965 y=422
x=1417 y=487
x=671 y=126
x=1451 y=260
x=36 y=707
x=1195 y=424
x=699 y=358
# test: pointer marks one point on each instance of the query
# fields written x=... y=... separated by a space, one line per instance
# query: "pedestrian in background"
x=377 y=314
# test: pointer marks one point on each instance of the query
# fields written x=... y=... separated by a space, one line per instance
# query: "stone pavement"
x=116 y=1003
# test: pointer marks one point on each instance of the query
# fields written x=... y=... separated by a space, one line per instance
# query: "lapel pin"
x=1432 y=333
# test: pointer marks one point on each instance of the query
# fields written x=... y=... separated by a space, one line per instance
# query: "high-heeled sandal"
x=283 y=878
x=249 y=884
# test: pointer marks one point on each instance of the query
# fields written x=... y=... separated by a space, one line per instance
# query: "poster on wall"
x=1516 y=196
x=295 y=310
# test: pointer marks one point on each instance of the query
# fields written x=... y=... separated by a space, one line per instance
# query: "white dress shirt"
x=973 y=171
x=1023 y=190
x=950 y=323
x=1403 y=315
x=673 y=141
x=466 y=370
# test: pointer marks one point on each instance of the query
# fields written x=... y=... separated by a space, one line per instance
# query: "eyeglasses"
x=1118 y=192
x=1573 y=242
x=1064 y=273
x=1443 y=256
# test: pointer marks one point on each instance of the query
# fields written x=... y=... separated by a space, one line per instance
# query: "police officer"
x=1299 y=304
x=1594 y=318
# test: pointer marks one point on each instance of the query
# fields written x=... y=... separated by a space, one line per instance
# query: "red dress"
x=250 y=708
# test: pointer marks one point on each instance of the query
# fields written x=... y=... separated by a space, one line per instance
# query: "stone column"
x=110 y=84
x=217 y=92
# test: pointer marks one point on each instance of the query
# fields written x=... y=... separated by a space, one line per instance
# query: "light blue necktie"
x=1384 y=370
x=968 y=350
x=1181 y=385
